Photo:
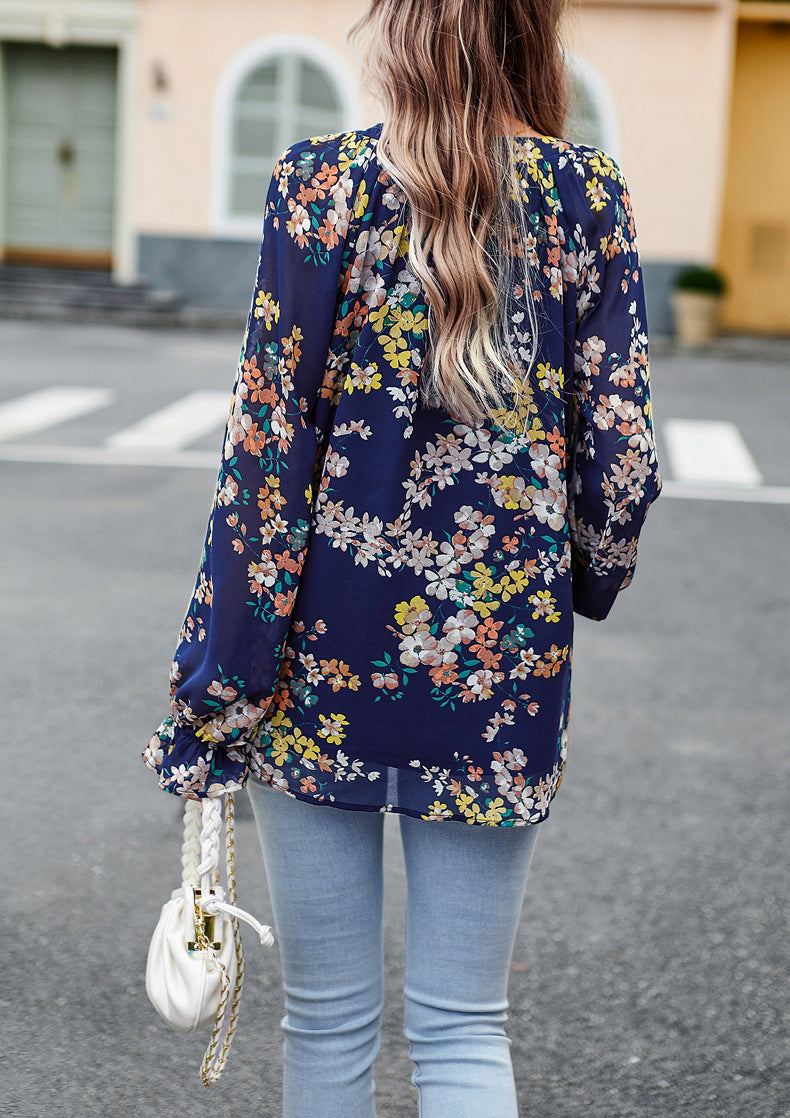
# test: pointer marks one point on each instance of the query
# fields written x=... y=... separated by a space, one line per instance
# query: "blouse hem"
x=394 y=809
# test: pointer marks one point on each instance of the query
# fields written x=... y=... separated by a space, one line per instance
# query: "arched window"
x=276 y=92
x=593 y=115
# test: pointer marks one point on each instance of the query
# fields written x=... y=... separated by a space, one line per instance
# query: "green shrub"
x=698 y=277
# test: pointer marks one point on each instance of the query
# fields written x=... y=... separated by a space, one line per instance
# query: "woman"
x=439 y=446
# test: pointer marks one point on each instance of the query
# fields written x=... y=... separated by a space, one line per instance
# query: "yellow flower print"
x=304 y=745
x=483 y=580
x=536 y=432
x=544 y=605
x=549 y=378
x=485 y=604
x=378 y=318
x=596 y=194
x=493 y=813
x=366 y=379
x=438 y=811
x=514 y=582
x=516 y=418
x=207 y=734
x=280 y=720
x=267 y=308
x=349 y=151
x=397 y=321
x=602 y=164
x=414 y=323
x=361 y=204
x=333 y=728
x=400 y=237
x=396 y=351
x=408 y=613
x=464 y=803
x=279 y=752
x=511 y=492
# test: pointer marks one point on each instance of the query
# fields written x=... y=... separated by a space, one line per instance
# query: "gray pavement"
x=651 y=968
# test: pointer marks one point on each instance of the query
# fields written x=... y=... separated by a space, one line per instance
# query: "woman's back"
x=425 y=633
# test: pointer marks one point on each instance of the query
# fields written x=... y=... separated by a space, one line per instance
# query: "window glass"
x=287 y=98
x=316 y=89
x=254 y=135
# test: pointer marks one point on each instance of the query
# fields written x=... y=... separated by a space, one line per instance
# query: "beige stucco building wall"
x=190 y=45
x=668 y=64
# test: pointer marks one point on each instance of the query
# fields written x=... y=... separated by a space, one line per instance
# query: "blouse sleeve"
x=615 y=474
x=230 y=649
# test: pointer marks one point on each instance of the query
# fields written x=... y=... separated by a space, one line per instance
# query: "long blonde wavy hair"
x=452 y=76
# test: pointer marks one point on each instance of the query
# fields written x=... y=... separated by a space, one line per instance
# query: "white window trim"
x=601 y=93
x=223 y=223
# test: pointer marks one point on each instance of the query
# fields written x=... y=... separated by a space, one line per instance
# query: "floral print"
x=383 y=615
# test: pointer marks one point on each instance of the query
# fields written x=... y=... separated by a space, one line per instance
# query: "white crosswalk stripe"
x=106 y=456
x=709 y=452
x=175 y=426
x=704 y=459
x=47 y=407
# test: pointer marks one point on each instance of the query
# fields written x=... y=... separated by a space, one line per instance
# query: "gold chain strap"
x=214 y=1061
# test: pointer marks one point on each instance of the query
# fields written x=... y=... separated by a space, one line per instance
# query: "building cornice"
x=59 y=22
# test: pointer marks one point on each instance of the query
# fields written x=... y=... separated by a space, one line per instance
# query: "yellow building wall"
x=755 y=232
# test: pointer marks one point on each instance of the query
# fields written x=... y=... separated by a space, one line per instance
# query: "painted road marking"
x=109 y=456
x=709 y=459
x=709 y=452
x=47 y=407
x=208 y=460
x=175 y=426
x=750 y=494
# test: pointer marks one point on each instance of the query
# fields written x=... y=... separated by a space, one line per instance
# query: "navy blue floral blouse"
x=383 y=614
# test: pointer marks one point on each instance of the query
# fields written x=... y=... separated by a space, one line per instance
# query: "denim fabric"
x=465 y=892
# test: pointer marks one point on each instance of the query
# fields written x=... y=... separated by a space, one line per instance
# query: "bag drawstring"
x=212 y=906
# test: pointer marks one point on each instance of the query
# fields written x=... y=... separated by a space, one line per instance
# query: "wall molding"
x=59 y=22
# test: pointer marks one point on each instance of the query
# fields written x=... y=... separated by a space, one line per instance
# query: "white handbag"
x=195 y=966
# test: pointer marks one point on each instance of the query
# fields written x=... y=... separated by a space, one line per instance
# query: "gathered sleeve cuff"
x=188 y=766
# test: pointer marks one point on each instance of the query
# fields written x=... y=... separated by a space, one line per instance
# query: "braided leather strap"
x=216 y=1055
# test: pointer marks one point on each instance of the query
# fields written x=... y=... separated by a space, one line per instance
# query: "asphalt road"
x=650 y=973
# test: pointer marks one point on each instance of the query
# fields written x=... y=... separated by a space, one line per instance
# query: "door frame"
x=88 y=23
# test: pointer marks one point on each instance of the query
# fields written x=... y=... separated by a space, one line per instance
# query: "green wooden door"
x=59 y=155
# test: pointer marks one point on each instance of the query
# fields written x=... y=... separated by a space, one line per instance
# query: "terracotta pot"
x=697 y=315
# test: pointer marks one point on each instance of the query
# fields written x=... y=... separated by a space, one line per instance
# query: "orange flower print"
x=443 y=674
x=283 y=603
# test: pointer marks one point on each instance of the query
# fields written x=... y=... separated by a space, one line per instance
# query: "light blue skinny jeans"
x=465 y=889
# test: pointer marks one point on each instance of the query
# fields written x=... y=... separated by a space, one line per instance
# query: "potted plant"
x=696 y=300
